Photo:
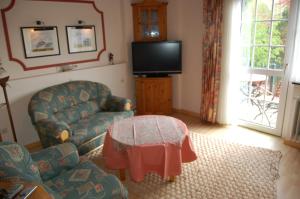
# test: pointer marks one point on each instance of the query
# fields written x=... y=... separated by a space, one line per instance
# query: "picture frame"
x=40 y=41
x=81 y=39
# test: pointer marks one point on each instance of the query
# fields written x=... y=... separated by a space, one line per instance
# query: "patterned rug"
x=222 y=170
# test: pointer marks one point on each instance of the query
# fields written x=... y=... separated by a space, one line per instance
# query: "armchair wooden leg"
x=122 y=174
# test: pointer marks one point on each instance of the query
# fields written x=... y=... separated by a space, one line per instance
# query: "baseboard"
x=291 y=143
x=35 y=146
x=186 y=112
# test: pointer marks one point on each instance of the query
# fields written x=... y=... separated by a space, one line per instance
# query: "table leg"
x=172 y=179
x=122 y=174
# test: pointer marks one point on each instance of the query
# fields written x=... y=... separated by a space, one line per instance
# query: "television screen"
x=156 y=57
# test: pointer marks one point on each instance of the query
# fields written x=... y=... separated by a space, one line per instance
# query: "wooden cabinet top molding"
x=150 y=2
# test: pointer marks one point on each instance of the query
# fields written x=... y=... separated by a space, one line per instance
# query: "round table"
x=144 y=144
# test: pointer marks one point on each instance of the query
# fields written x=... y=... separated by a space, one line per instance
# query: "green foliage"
x=263 y=33
x=261 y=55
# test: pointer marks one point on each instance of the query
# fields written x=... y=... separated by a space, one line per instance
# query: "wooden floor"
x=288 y=186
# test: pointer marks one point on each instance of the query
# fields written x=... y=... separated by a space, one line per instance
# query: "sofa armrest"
x=115 y=104
x=58 y=130
x=53 y=160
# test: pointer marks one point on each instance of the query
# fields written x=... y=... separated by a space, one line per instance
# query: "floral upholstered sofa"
x=78 y=111
x=59 y=171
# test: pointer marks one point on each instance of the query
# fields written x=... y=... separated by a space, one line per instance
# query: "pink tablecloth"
x=144 y=144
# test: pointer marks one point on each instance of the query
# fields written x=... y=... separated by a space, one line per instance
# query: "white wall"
x=184 y=23
x=174 y=27
x=288 y=122
x=128 y=38
x=113 y=32
x=191 y=35
x=23 y=84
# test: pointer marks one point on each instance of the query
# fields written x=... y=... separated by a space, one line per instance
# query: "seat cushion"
x=95 y=125
x=53 y=194
x=56 y=159
x=86 y=180
x=80 y=111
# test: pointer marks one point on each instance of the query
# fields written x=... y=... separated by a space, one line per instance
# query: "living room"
x=208 y=108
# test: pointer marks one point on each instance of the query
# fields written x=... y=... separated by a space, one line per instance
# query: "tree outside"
x=260 y=38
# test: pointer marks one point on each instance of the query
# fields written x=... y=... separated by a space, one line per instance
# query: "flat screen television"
x=155 y=58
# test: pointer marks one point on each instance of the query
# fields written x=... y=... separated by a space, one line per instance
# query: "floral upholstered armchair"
x=59 y=171
x=78 y=111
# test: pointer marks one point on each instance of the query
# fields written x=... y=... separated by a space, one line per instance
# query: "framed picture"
x=40 y=41
x=81 y=38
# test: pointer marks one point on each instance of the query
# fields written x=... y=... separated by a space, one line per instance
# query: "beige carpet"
x=222 y=170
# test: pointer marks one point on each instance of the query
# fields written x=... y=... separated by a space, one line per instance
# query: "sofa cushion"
x=80 y=111
x=86 y=180
x=97 y=124
x=56 y=159
x=46 y=103
x=15 y=161
x=53 y=194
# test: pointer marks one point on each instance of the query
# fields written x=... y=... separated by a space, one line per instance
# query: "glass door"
x=264 y=37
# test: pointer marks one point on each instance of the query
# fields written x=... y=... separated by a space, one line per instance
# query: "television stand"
x=157 y=75
x=153 y=95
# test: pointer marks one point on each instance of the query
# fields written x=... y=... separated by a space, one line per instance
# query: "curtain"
x=295 y=60
x=212 y=54
x=231 y=70
x=290 y=129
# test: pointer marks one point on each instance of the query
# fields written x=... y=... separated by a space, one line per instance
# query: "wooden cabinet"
x=154 y=95
x=150 y=20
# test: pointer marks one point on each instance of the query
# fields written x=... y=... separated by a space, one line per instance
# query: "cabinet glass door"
x=149 y=23
x=144 y=23
x=154 y=24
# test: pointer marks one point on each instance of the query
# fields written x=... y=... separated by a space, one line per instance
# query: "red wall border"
x=26 y=68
